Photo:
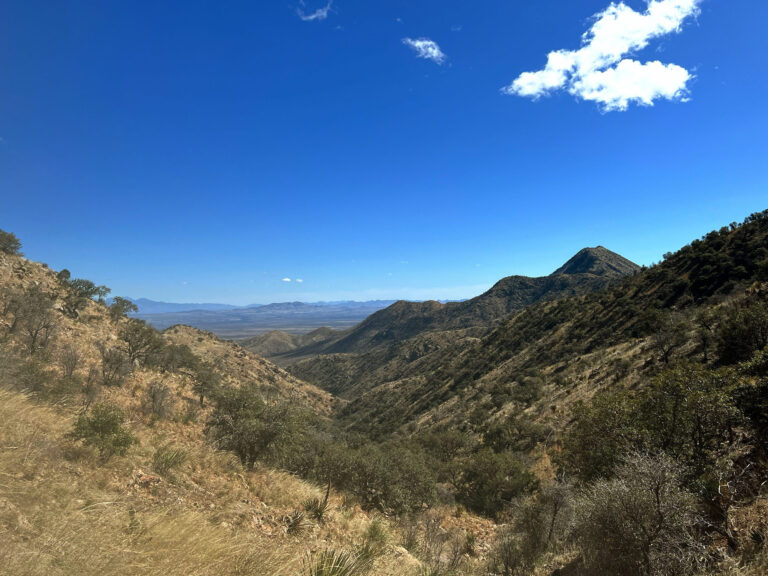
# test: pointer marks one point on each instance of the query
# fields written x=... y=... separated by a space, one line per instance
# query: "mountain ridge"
x=404 y=320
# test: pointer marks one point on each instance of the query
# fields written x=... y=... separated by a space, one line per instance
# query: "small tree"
x=80 y=293
x=743 y=330
x=252 y=428
x=140 y=341
x=491 y=481
x=206 y=381
x=121 y=307
x=103 y=428
x=9 y=243
x=670 y=335
x=35 y=320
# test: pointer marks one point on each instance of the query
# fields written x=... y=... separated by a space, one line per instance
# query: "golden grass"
x=61 y=513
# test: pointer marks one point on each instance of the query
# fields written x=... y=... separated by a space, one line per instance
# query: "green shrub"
x=103 y=429
x=252 y=428
x=490 y=481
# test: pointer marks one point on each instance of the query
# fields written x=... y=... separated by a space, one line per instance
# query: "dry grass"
x=61 y=513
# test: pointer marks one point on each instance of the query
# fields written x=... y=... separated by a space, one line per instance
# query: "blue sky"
x=206 y=151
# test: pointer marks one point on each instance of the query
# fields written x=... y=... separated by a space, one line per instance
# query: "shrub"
x=104 y=430
x=168 y=457
x=639 y=523
x=252 y=428
x=34 y=320
x=79 y=293
x=490 y=481
x=69 y=360
x=114 y=366
x=91 y=388
x=507 y=556
x=32 y=375
x=158 y=400
x=140 y=341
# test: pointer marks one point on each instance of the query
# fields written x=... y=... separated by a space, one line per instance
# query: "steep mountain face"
x=598 y=261
x=571 y=340
x=592 y=269
x=403 y=339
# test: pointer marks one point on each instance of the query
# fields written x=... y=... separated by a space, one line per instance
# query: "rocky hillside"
x=109 y=467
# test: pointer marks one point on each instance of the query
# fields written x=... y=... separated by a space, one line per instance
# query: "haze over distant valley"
x=241 y=322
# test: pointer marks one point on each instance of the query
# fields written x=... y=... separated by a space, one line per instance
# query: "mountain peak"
x=598 y=261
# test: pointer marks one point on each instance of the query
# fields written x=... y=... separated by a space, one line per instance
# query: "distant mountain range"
x=590 y=270
x=241 y=322
x=153 y=307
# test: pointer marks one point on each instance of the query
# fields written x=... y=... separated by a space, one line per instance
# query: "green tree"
x=670 y=335
x=79 y=293
x=9 y=243
x=252 y=428
x=120 y=308
x=491 y=481
x=35 y=320
x=104 y=429
x=743 y=330
x=140 y=341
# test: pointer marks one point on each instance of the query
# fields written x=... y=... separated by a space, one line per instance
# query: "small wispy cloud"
x=300 y=280
x=427 y=49
x=286 y=280
x=600 y=72
x=319 y=14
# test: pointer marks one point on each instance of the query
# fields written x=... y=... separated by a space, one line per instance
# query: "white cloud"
x=426 y=48
x=319 y=14
x=600 y=72
x=286 y=280
x=300 y=280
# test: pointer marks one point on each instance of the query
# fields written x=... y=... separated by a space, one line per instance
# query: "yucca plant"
x=296 y=521
x=316 y=508
x=336 y=563
x=167 y=457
